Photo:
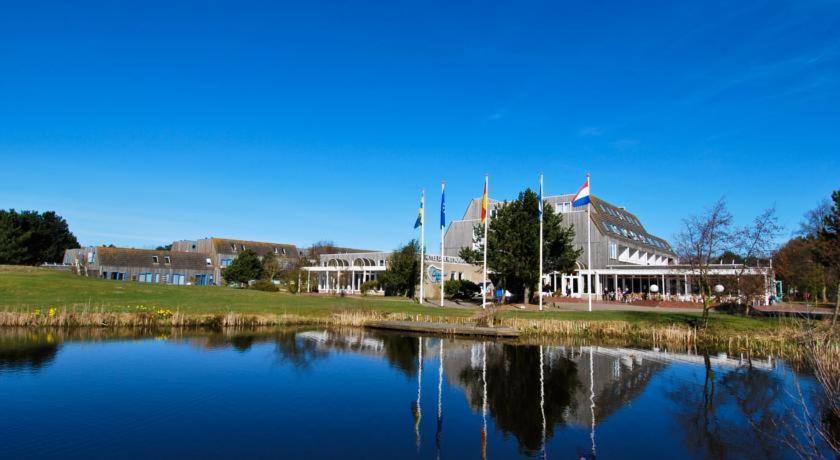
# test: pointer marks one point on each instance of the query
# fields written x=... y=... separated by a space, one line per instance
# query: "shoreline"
x=673 y=334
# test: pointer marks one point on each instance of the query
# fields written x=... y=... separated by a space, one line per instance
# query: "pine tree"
x=513 y=255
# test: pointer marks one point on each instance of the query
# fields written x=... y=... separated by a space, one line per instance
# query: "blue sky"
x=145 y=122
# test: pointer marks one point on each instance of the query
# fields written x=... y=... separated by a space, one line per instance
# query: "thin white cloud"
x=591 y=131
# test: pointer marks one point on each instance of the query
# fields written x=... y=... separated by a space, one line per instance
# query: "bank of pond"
x=348 y=392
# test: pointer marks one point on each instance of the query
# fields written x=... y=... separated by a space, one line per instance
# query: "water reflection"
x=534 y=401
x=23 y=350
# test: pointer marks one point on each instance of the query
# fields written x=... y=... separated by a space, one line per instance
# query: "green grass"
x=24 y=289
x=28 y=288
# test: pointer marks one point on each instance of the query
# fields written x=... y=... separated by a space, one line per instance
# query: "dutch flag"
x=582 y=196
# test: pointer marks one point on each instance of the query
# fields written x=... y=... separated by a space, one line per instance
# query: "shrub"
x=265 y=285
x=461 y=289
x=368 y=286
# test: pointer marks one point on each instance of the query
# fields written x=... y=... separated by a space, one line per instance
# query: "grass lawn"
x=28 y=288
x=24 y=289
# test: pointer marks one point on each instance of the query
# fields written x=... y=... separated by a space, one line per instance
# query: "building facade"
x=347 y=272
x=626 y=258
x=142 y=265
x=194 y=262
x=222 y=252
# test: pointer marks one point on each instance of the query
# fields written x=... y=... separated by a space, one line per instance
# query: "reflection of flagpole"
x=419 y=412
x=484 y=400
x=542 y=401
x=440 y=400
x=592 y=397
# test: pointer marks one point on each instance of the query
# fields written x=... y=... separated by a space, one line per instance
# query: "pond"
x=355 y=393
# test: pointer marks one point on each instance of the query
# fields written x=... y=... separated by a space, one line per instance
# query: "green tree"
x=513 y=255
x=828 y=247
x=403 y=272
x=795 y=265
x=32 y=238
x=167 y=247
x=270 y=267
x=246 y=267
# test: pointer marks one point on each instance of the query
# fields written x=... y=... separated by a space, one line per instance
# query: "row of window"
x=619 y=214
x=166 y=260
x=635 y=236
x=613 y=250
x=242 y=247
x=169 y=278
x=563 y=207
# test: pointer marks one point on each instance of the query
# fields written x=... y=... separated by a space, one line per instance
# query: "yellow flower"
x=52 y=312
x=37 y=312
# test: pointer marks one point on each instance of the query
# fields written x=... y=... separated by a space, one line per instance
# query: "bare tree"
x=703 y=238
x=754 y=243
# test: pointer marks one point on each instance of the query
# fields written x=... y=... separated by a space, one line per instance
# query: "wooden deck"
x=445 y=329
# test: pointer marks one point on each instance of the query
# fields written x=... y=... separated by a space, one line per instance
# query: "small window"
x=276 y=251
x=91 y=257
x=284 y=251
x=155 y=259
x=243 y=247
x=209 y=262
x=167 y=260
x=233 y=247
x=613 y=251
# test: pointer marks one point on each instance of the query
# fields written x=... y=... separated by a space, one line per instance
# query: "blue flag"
x=419 y=220
x=442 y=205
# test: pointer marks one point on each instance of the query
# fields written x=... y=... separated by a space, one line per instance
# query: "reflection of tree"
x=401 y=352
x=27 y=355
x=711 y=427
x=513 y=392
x=242 y=343
x=297 y=351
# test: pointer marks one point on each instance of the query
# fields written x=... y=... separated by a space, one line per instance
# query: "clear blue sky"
x=144 y=122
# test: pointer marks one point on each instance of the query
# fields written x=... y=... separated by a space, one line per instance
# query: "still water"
x=314 y=393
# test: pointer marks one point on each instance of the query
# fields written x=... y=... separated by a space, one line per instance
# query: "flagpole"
x=589 y=240
x=442 y=226
x=422 y=240
x=486 y=225
x=539 y=282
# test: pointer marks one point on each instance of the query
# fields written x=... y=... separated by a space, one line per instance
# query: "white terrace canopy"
x=346 y=272
x=674 y=282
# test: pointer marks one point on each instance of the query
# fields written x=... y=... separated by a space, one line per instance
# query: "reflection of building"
x=625 y=256
x=347 y=272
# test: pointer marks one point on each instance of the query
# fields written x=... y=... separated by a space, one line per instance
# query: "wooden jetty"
x=445 y=329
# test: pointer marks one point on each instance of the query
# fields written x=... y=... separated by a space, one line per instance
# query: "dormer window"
x=276 y=251
x=243 y=247
x=233 y=247
x=284 y=251
x=167 y=260
x=155 y=259
x=209 y=262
